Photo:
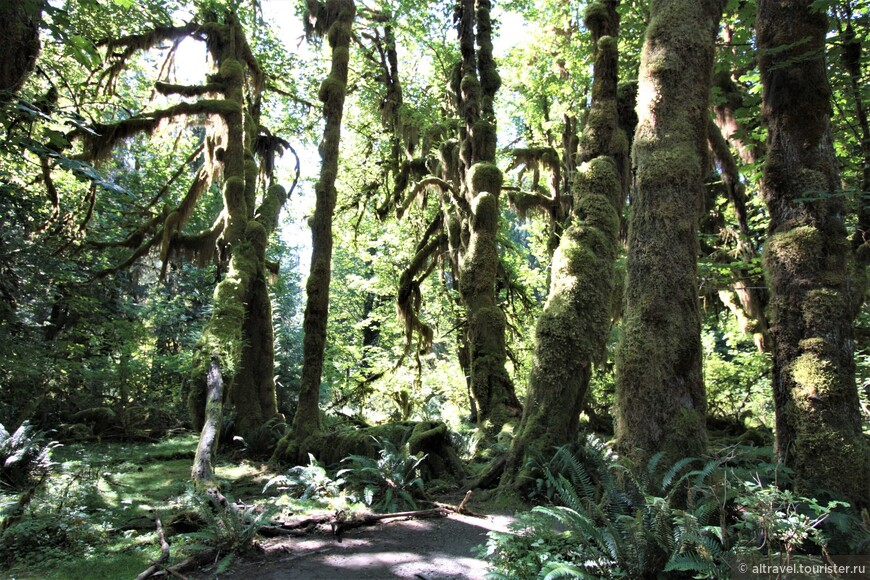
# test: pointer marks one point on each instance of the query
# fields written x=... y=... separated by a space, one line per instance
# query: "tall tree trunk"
x=491 y=386
x=332 y=92
x=661 y=402
x=20 y=44
x=573 y=328
x=239 y=335
x=807 y=259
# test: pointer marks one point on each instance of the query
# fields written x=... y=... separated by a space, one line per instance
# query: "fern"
x=386 y=483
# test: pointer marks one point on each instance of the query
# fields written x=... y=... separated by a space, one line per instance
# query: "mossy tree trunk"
x=491 y=386
x=337 y=21
x=807 y=259
x=661 y=403
x=573 y=328
x=237 y=341
x=20 y=43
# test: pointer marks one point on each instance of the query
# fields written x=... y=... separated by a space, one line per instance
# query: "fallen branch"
x=164 y=552
x=460 y=509
x=338 y=522
x=195 y=561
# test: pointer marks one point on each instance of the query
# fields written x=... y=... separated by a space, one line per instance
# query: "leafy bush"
x=388 y=482
x=25 y=456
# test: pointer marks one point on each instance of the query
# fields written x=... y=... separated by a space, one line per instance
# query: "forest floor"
x=93 y=520
x=429 y=549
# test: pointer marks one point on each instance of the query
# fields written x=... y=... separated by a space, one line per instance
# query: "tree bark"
x=573 y=328
x=20 y=44
x=239 y=332
x=203 y=471
x=807 y=259
x=661 y=403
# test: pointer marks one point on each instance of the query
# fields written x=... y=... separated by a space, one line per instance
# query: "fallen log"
x=339 y=522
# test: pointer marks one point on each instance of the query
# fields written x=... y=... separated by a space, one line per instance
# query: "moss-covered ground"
x=92 y=518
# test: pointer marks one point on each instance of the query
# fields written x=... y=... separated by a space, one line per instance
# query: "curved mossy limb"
x=573 y=328
x=808 y=261
x=661 y=402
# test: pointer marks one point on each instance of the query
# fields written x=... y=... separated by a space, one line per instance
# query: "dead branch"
x=460 y=509
x=164 y=552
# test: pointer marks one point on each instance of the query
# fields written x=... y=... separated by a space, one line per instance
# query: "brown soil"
x=429 y=549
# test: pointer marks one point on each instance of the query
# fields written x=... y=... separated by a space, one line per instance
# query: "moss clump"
x=675 y=165
x=795 y=252
x=598 y=178
x=596 y=16
x=331 y=93
x=485 y=177
x=232 y=70
x=490 y=81
x=469 y=88
x=815 y=377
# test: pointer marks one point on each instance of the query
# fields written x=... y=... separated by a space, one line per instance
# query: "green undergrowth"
x=91 y=517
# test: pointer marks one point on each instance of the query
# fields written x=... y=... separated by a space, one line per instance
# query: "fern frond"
x=675 y=469
x=561 y=570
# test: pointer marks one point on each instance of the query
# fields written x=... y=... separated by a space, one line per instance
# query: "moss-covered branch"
x=98 y=142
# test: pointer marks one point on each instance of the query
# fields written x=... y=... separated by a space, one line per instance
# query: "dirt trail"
x=430 y=549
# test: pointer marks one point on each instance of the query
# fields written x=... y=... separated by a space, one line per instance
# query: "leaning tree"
x=573 y=328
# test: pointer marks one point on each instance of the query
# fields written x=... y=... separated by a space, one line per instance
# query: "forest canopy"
x=632 y=233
